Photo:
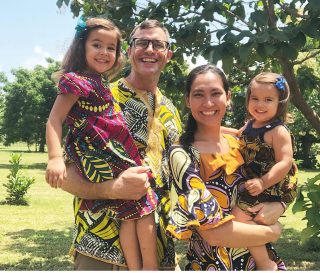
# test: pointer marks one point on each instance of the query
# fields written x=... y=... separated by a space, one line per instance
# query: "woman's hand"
x=268 y=213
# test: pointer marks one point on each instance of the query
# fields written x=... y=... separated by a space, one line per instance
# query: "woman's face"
x=207 y=99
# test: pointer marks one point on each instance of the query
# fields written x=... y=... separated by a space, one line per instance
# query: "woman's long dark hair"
x=187 y=138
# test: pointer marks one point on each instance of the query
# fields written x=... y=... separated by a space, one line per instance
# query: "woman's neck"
x=210 y=140
x=143 y=83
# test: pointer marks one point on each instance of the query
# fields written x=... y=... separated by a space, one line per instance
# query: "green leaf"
x=220 y=33
x=314 y=196
x=207 y=12
x=311 y=28
x=313 y=180
x=259 y=18
x=313 y=6
x=308 y=232
x=245 y=51
x=278 y=35
x=298 y=206
x=59 y=3
x=262 y=37
x=286 y=50
x=299 y=40
x=240 y=11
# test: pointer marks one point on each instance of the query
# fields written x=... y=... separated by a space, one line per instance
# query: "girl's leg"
x=262 y=259
x=130 y=244
x=147 y=236
x=259 y=253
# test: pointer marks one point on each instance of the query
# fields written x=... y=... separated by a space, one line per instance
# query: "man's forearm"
x=78 y=186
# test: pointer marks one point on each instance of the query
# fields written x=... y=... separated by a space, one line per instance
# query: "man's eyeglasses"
x=141 y=43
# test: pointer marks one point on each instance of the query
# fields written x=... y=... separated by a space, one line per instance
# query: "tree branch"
x=292 y=12
x=307 y=57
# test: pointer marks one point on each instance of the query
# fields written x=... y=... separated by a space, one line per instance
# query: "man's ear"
x=169 y=55
x=129 y=51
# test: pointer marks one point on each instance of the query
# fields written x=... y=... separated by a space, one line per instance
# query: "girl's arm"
x=233 y=131
x=236 y=234
x=282 y=146
x=230 y=131
x=56 y=170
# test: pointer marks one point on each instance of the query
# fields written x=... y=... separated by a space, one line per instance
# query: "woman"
x=206 y=173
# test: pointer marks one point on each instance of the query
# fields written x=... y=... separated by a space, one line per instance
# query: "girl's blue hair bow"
x=280 y=83
x=81 y=26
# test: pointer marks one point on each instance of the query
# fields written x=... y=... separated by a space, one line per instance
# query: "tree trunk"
x=297 y=98
x=41 y=147
x=306 y=145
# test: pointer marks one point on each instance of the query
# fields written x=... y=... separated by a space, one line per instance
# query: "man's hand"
x=131 y=184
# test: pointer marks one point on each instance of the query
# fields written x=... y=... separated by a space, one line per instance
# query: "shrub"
x=311 y=205
x=17 y=185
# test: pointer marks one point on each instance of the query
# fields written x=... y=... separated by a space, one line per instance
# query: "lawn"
x=38 y=236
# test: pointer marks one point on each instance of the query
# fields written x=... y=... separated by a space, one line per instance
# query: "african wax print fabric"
x=259 y=158
x=207 y=189
x=100 y=144
x=97 y=234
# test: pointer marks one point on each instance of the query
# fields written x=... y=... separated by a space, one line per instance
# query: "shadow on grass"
x=34 y=166
x=18 y=151
x=43 y=249
x=295 y=255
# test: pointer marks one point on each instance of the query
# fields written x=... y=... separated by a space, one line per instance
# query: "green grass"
x=38 y=236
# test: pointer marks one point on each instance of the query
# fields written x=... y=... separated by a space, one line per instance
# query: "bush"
x=311 y=205
x=17 y=185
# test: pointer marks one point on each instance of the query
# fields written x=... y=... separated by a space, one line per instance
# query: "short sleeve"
x=196 y=207
x=74 y=84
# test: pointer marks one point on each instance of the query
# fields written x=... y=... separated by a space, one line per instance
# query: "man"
x=154 y=124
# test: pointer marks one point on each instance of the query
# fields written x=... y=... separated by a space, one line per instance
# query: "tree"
x=3 y=80
x=28 y=101
x=245 y=34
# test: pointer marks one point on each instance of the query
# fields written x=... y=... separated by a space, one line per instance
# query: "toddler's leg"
x=147 y=235
x=259 y=253
x=130 y=244
x=241 y=216
x=262 y=259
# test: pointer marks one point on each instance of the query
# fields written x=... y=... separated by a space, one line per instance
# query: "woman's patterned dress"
x=100 y=144
x=207 y=188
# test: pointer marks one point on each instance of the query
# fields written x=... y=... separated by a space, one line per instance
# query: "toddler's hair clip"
x=280 y=83
x=81 y=26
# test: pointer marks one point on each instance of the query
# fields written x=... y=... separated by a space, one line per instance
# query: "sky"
x=31 y=31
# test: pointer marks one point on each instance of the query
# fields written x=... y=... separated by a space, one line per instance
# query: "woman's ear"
x=229 y=98
x=187 y=102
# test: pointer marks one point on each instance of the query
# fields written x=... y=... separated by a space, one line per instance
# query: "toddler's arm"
x=56 y=170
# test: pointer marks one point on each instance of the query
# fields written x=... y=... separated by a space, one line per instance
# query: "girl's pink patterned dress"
x=100 y=144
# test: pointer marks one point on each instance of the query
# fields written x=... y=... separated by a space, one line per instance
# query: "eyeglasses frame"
x=132 y=42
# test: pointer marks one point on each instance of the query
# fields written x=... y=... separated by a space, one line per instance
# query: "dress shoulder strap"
x=259 y=132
